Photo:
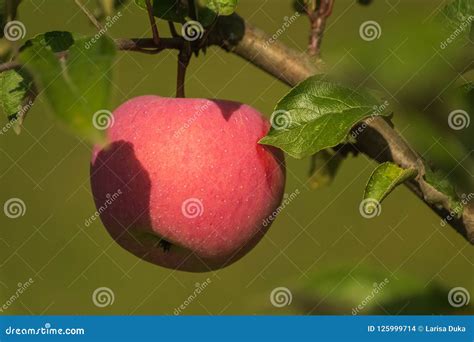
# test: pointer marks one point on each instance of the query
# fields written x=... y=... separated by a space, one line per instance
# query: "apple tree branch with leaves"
x=321 y=118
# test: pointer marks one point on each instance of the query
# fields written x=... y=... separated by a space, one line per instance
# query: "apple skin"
x=183 y=183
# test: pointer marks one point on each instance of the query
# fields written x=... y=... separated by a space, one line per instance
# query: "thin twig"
x=318 y=19
x=154 y=28
x=173 y=31
x=9 y=66
x=89 y=14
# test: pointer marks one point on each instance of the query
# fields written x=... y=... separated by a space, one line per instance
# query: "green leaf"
x=367 y=289
x=385 y=178
x=324 y=166
x=458 y=16
x=8 y=10
x=220 y=7
x=318 y=114
x=17 y=93
x=77 y=87
x=54 y=41
x=171 y=10
x=437 y=180
x=204 y=11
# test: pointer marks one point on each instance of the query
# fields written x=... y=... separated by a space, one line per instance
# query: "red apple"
x=184 y=184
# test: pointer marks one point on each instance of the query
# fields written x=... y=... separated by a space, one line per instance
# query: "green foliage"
x=323 y=169
x=370 y=290
x=442 y=184
x=458 y=15
x=16 y=95
x=204 y=11
x=78 y=86
x=318 y=114
x=54 y=41
x=385 y=178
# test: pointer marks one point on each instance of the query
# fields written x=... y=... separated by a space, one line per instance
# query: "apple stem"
x=183 y=61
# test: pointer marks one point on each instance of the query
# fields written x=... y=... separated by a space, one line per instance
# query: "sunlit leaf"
x=78 y=85
x=318 y=114
x=384 y=179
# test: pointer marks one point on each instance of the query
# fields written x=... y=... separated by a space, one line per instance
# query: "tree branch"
x=379 y=141
x=89 y=14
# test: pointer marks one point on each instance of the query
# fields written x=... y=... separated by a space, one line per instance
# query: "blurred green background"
x=320 y=248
